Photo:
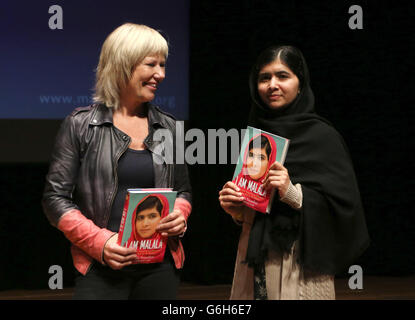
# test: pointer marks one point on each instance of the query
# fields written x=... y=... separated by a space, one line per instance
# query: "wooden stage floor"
x=374 y=288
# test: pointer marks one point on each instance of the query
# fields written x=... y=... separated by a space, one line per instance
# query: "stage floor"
x=374 y=288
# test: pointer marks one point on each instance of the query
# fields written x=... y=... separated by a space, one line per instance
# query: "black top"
x=135 y=170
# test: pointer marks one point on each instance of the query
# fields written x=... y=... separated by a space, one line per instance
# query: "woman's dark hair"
x=289 y=55
x=150 y=202
x=264 y=144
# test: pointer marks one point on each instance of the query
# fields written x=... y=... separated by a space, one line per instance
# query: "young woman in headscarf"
x=316 y=227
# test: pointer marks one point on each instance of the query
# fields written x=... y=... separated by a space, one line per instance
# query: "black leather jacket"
x=83 y=169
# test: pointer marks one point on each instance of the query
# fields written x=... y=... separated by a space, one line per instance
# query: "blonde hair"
x=123 y=49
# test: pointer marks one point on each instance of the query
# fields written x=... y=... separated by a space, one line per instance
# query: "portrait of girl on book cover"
x=145 y=219
x=259 y=157
x=260 y=154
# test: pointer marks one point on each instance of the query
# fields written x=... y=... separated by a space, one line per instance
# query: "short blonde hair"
x=126 y=46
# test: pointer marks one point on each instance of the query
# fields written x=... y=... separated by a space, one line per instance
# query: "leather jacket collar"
x=103 y=115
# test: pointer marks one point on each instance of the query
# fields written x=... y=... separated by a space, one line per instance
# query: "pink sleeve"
x=83 y=233
x=183 y=206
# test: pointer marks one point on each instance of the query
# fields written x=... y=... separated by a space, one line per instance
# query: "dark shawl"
x=330 y=226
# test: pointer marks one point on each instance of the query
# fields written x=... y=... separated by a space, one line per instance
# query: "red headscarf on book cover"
x=149 y=250
x=256 y=197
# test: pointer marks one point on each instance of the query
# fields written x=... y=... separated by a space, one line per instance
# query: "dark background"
x=363 y=83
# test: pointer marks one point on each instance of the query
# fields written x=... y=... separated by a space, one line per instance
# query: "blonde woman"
x=102 y=150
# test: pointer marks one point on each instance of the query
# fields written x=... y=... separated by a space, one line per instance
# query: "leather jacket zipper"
x=126 y=138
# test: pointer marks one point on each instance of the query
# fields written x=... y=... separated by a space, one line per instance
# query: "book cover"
x=259 y=150
x=143 y=210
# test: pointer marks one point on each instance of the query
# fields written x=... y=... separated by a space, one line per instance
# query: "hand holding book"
x=260 y=171
x=116 y=256
x=277 y=178
x=172 y=225
x=231 y=200
x=147 y=222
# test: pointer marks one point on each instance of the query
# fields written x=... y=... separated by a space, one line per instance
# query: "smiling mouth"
x=153 y=85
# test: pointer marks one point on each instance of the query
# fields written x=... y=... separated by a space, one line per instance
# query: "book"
x=259 y=150
x=143 y=209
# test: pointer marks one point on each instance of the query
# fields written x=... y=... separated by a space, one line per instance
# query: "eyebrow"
x=151 y=59
x=277 y=72
x=149 y=213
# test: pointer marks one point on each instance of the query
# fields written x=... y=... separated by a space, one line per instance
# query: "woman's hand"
x=116 y=256
x=172 y=225
x=277 y=177
x=231 y=200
